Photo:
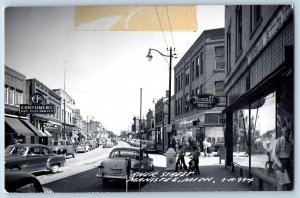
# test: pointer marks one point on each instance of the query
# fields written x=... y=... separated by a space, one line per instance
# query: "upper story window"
x=6 y=95
x=201 y=63
x=219 y=88
x=228 y=50
x=11 y=96
x=201 y=89
x=255 y=17
x=197 y=66
x=239 y=27
x=197 y=90
x=193 y=71
x=220 y=60
x=187 y=77
x=18 y=97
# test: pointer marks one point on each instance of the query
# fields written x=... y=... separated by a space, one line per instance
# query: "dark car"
x=32 y=158
x=63 y=147
x=148 y=145
x=21 y=182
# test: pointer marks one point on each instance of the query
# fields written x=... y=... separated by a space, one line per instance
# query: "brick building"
x=259 y=49
x=201 y=70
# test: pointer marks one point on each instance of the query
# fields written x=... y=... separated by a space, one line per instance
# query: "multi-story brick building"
x=201 y=70
x=259 y=86
x=66 y=114
x=14 y=95
x=44 y=122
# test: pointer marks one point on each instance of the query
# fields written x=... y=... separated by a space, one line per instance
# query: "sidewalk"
x=213 y=177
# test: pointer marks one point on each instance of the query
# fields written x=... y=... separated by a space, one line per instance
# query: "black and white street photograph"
x=149 y=98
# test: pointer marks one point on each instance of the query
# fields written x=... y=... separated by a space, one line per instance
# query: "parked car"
x=114 y=167
x=64 y=147
x=83 y=147
x=107 y=143
x=21 y=182
x=114 y=141
x=32 y=158
x=148 y=145
x=92 y=144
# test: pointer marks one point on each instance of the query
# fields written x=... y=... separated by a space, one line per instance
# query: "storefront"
x=260 y=102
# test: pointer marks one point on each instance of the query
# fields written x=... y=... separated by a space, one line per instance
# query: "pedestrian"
x=174 y=144
x=180 y=161
x=205 y=145
x=282 y=155
x=194 y=162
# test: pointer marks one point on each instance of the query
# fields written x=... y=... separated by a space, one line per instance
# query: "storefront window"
x=240 y=137
x=263 y=130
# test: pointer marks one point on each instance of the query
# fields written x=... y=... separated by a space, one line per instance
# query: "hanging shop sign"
x=36 y=106
x=204 y=101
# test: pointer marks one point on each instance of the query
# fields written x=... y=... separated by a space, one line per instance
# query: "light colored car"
x=82 y=148
x=114 y=167
x=107 y=143
x=32 y=158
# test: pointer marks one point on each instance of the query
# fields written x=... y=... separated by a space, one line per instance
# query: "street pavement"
x=79 y=176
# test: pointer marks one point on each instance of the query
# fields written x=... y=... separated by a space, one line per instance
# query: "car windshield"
x=14 y=150
x=124 y=153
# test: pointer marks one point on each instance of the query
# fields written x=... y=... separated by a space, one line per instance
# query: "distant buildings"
x=64 y=123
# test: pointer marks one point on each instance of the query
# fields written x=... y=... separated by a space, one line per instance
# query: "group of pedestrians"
x=193 y=163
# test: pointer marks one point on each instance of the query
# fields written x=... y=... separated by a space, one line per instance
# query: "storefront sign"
x=270 y=32
x=40 y=109
x=37 y=98
x=204 y=101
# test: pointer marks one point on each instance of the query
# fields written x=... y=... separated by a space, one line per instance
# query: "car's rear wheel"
x=54 y=168
x=105 y=181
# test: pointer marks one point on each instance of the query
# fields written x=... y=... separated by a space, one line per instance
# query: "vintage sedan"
x=123 y=162
x=82 y=148
x=32 y=158
x=21 y=182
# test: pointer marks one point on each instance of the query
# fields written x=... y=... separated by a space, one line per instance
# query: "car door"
x=33 y=162
x=46 y=153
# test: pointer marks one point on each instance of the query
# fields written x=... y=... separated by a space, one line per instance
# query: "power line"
x=170 y=27
x=161 y=26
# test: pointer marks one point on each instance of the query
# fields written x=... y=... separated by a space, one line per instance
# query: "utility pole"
x=87 y=127
x=65 y=134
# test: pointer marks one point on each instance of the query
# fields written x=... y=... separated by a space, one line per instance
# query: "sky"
x=104 y=69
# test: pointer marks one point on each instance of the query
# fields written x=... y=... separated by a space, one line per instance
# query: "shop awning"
x=32 y=128
x=18 y=126
x=47 y=133
x=82 y=134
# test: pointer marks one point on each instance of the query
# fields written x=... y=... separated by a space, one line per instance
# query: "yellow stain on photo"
x=136 y=18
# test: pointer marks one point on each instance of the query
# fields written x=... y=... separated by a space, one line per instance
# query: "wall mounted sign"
x=37 y=98
x=204 y=101
x=37 y=107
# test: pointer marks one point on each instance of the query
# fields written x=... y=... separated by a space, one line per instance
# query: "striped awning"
x=47 y=133
x=18 y=126
x=32 y=128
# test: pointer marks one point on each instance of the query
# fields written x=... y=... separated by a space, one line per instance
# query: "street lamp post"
x=171 y=55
